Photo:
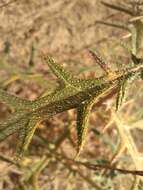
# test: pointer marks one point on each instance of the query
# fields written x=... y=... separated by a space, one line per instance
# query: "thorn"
x=100 y=62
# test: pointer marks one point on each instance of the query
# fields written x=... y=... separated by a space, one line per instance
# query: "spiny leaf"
x=25 y=136
x=13 y=101
x=59 y=71
x=14 y=118
x=122 y=84
x=21 y=138
x=100 y=62
x=62 y=100
x=69 y=79
x=11 y=128
x=79 y=84
x=83 y=112
x=120 y=92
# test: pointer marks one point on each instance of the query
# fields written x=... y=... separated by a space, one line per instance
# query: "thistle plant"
x=133 y=26
x=80 y=94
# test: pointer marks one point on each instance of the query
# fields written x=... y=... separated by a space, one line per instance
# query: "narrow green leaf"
x=21 y=139
x=11 y=128
x=13 y=101
x=122 y=84
x=100 y=62
x=59 y=71
x=85 y=91
x=25 y=135
x=83 y=111
x=13 y=118
x=82 y=124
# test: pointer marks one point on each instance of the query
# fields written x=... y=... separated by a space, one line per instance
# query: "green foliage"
x=25 y=135
x=83 y=112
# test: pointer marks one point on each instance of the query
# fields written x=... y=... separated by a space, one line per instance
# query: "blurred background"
x=67 y=30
